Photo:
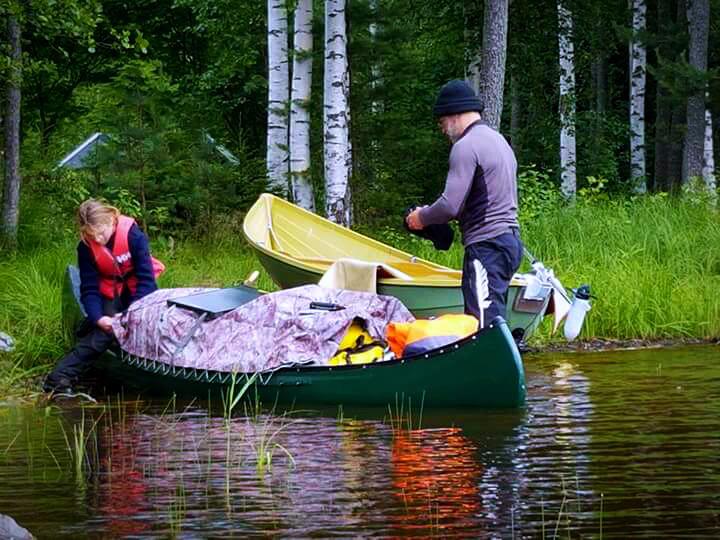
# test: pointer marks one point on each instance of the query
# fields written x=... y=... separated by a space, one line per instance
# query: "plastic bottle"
x=578 y=309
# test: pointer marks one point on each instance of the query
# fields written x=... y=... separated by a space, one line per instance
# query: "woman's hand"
x=105 y=324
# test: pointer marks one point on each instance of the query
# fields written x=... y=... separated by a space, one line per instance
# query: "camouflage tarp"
x=276 y=330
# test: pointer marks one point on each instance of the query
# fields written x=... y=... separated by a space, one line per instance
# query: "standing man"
x=481 y=193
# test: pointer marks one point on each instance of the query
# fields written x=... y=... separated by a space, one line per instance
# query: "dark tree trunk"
x=698 y=25
x=663 y=121
x=663 y=114
x=11 y=194
x=492 y=76
x=515 y=112
x=676 y=131
x=599 y=78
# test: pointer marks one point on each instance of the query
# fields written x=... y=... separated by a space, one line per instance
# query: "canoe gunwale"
x=224 y=377
x=266 y=201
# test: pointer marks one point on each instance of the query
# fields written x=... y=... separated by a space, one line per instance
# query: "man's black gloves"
x=440 y=235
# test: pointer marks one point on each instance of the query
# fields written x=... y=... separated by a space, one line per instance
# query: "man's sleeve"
x=457 y=186
x=89 y=284
x=142 y=264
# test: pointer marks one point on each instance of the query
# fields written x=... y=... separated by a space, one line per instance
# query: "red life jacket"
x=116 y=267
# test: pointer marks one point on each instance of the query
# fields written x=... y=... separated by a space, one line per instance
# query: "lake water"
x=610 y=445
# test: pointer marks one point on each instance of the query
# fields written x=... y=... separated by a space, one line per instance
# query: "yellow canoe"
x=296 y=247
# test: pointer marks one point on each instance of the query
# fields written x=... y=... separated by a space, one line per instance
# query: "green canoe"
x=296 y=247
x=483 y=370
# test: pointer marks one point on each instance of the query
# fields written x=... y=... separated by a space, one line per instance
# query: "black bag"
x=440 y=235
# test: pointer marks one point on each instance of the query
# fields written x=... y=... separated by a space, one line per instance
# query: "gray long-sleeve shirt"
x=481 y=187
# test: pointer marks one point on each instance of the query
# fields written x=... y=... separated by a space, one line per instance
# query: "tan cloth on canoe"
x=355 y=275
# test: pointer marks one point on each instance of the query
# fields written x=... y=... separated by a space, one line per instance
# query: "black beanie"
x=457 y=97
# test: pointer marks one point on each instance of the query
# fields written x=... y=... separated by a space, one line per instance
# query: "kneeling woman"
x=115 y=270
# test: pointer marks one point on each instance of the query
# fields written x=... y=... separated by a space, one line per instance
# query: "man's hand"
x=105 y=324
x=413 y=219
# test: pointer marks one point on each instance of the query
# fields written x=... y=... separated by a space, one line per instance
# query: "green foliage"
x=537 y=193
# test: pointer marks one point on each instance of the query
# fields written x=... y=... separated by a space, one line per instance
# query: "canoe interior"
x=290 y=233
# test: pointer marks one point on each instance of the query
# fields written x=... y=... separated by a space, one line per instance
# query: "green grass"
x=653 y=263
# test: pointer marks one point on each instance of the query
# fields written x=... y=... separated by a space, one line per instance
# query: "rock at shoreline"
x=6 y=344
x=11 y=530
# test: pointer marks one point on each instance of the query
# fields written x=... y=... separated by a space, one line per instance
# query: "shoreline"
x=608 y=345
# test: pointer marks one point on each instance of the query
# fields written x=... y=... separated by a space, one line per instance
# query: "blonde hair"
x=92 y=214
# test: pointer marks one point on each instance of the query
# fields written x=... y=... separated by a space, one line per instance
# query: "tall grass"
x=31 y=284
x=653 y=263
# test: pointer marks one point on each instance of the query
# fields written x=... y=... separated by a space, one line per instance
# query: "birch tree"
x=568 y=177
x=336 y=132
x=11 y=193
x=302 y=191
x=278 y=95
x=698 y=13
x=492 y=72
x=638 y=56
x=708 y=171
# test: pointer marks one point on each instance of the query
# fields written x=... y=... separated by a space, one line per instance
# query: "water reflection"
x=270 y=473
x=637 y=431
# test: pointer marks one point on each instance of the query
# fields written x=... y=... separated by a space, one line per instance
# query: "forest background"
x=174 y=83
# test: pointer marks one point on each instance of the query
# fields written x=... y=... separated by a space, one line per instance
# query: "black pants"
x=90 y=345
x=501 y=257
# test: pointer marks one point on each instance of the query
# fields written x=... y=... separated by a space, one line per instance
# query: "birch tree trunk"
x=302 y=191
x=11 y=193
x=494 y=48
x=708 y=170
x=278 y=96
x=638 y=55
x=568 y=177
x=336 y=114
x=698 y=14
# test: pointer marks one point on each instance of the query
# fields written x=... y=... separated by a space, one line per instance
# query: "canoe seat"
x=215 y=303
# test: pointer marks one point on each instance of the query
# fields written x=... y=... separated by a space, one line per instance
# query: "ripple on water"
x=634 y=434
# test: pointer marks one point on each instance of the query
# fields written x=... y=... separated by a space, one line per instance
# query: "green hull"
x=484 y=370
x=422 y=300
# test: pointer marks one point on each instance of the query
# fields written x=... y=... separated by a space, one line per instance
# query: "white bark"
x=708 y=171
x=568 y=184
x=698 y=14
x=638 y=56
x=302 y=191
x=492 y=74
x=336 y=114
x=278 y=96
x=13 y=178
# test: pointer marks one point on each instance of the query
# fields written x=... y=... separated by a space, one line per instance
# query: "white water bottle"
x=576 y=316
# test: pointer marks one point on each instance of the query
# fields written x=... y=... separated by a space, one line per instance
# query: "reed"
x=401 y=418
x=77 y=446
x=178 y=508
